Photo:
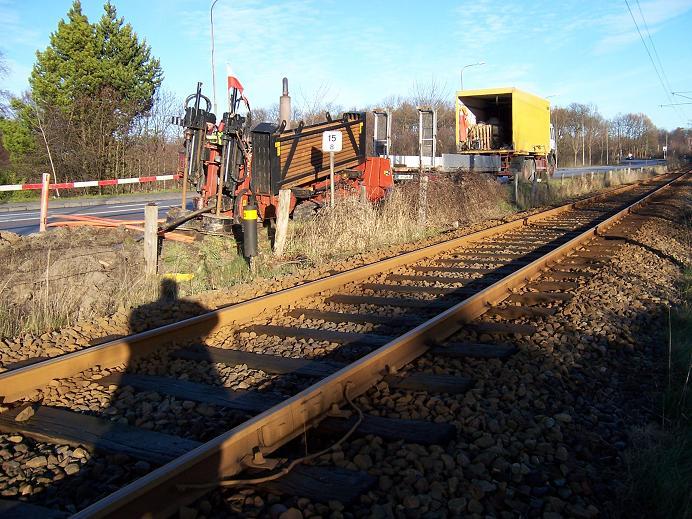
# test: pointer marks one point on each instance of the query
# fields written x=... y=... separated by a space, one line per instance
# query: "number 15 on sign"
x=331 y=143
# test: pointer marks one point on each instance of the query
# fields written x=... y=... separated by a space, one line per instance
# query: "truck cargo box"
x=498 y=120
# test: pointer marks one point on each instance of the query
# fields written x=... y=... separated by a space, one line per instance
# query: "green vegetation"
x=215 y=263
x=85 y=60
x=91 y=89
x=661 y=465
x=559 y=190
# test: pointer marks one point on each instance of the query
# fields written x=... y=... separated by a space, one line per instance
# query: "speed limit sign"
x=331 y=141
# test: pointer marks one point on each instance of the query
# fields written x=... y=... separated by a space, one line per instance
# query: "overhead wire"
x=681 y=111
x=651 y=58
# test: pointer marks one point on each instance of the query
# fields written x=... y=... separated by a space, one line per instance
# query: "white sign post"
x=331 y=142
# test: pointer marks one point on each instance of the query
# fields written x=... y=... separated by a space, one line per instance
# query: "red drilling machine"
x=237 y=174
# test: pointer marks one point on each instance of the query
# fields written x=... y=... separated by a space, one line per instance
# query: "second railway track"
x=268 y=369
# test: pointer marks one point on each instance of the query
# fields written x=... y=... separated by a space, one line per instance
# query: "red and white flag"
x=233 y=81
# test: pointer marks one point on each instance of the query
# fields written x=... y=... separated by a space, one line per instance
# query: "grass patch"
x=69 y=287
x=661 y=461
x=353 y=226
x=216 y=262
x=558 y=190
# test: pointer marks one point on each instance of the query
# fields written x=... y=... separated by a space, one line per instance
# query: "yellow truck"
x=506 y=131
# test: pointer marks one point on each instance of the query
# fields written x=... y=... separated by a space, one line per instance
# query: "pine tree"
x=84 y=60
x=126 y=64
x=64 y=72
x=93 y=81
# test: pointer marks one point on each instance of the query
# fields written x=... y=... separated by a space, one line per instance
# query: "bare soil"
x=66 y=275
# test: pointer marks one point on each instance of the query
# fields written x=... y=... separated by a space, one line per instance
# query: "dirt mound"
x=65 y=274
x=8 y=238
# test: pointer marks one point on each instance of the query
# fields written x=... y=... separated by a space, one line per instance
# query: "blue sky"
x=359 y=52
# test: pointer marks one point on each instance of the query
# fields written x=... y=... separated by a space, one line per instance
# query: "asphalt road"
x=24 y=220
x=575 y=172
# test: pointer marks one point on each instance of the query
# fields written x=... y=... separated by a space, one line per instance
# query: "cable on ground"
x=287 y=468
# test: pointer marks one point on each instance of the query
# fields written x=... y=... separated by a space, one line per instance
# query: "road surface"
x=24 y=218
x=575 y=172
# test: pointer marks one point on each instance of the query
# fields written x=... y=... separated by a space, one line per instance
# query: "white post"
x=423 y=200
x=45 y=188
x=151 y=238
x=282 y=221
x=331 y=177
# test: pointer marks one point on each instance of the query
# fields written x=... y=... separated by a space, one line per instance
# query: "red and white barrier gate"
x=45 y=186
x=90 y=183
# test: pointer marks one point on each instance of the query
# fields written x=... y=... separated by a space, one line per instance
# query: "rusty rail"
x=157 y=495
x=17 y=383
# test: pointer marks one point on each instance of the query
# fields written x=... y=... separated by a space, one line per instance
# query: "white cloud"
x=619 y=30
x=17 y=80
x=13 y=30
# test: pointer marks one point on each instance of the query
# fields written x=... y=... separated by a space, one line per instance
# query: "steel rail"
x=18 y=383
x=156 y=494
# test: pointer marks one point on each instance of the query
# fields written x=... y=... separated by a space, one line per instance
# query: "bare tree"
x=311 y=107
x=4 y=94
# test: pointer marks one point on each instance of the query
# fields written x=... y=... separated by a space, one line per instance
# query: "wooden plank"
x=429 y=279
x=460 y=350
x=393 y=429
x=53 y=425
x=282 y=221
x=267 y=363
x=501 y=328
x=462 y=270
x=248 y=401
x=429 y=383
x=343 y=317
x=494 y=258
x=594 y=254
x=509 y=255
x=535 y=298
x=387 y=301
x=567 y=274
x=416 y=289
x=546 y=286
x=322 y=483
x=581 y=262
x=20 y=509
x=320 y=335
x=515 y=312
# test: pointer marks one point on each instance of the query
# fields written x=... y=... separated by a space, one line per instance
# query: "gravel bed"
x=82 y=335
x=542 y=433
x=539 y=434
x=61 y=477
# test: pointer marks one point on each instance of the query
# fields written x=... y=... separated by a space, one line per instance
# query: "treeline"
x=585 y=137
x=94 y=109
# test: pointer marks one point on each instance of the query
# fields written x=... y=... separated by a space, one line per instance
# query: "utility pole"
x=213 y=67
x=583 y=136
x=607 y=127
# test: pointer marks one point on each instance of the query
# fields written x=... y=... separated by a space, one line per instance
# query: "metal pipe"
x=180 y=221
x=285 y=105
x=213 y=72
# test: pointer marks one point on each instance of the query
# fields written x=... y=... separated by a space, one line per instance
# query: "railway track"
x=267 y=370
